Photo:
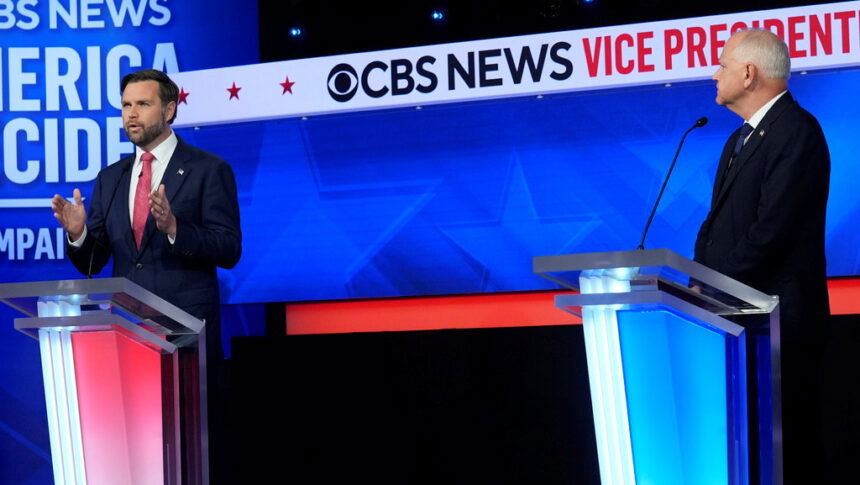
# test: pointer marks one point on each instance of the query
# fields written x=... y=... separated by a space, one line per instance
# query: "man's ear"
x=750 y=75
x=171 y=111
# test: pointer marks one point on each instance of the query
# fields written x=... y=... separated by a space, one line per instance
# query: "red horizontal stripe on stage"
x=427 y=313
x=844 y=296
x=472 y=311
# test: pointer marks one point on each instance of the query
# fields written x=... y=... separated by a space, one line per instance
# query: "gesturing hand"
x=160 y=209
x=72 y=216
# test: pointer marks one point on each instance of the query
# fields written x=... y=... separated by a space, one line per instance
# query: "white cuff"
x=80 y=241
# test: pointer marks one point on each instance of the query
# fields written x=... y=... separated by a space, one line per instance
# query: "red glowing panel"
x=119 y=395
x=844 y=296
x=428 y=313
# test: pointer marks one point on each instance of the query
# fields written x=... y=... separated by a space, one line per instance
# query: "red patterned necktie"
x=141 y=198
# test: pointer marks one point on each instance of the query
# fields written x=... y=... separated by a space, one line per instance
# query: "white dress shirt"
x=756 y=118
x=163 y=152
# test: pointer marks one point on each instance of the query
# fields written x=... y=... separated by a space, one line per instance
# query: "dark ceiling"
x=338 y=27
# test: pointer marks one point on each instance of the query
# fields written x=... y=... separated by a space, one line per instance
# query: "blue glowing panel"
x=677 y=381
x=765 y=402
x=459 y=198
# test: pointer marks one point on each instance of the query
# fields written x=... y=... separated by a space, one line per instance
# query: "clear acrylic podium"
x=125 y=381
x=670 y=368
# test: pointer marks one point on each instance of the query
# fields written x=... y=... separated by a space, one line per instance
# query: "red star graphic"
x=183 y=96
x=234 y=91
x=288 y=86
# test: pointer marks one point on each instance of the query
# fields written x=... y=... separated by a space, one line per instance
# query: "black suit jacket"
x=766 y=223
x=201 y=190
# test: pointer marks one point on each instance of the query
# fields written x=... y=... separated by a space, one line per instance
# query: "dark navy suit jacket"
x=201 y=189
x=766 y=223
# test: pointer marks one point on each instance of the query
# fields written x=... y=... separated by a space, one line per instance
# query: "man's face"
x=731 y=76
x=143 y=115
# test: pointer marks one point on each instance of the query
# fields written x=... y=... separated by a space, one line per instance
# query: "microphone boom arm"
x=699 y=123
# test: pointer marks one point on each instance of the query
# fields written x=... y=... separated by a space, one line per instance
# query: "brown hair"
x=167 y=89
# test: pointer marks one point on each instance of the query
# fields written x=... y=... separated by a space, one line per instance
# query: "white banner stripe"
x=818 y=36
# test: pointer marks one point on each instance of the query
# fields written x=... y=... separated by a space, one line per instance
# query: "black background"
x=338 y=27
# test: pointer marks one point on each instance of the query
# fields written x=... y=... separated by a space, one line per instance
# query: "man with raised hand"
x=168 y=214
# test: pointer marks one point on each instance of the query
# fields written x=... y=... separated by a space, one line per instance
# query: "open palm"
x=72 y=216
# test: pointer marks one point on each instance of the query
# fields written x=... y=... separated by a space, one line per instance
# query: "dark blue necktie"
x=739 y=145
x=742 y=136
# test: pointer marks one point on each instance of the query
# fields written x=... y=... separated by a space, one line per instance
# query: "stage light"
x=295 y=32
x=437 y=15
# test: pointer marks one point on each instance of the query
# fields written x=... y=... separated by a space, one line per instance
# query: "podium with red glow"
x=125 y=381
x=673 y=350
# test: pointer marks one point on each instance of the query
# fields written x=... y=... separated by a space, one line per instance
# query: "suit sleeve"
x=701 y=236
x=796 y=177
x=216 y=238
x=95 y=252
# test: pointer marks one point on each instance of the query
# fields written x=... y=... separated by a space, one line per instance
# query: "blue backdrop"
x=459 y=198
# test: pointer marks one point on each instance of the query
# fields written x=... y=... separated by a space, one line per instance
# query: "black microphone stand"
x=699 y=123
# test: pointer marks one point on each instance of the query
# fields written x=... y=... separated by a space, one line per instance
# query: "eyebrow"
x=139 y=100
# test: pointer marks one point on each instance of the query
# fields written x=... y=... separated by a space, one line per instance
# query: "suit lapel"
x=720 y=180
x=737 y=165
x=120 y=210
x=749 y=149
x=176 y=173
x=173 y=178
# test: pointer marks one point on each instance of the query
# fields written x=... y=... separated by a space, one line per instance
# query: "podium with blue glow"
x=125 y=381
x=670 y=368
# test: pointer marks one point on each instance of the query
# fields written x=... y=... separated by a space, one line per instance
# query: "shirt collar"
x=162 y=152
x=759 y=115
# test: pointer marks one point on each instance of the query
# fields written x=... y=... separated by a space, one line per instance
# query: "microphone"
x=699 y=123
x=105 y=217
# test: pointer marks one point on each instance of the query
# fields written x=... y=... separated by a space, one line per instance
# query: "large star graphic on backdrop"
x=234 y=91
x=505 y=246
x=183 y=96
x=287 y=85
x=359 y=219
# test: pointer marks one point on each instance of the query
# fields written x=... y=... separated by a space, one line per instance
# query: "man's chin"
x=140 y=138
x=133 y=137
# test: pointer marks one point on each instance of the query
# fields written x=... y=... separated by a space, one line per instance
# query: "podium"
x=125 y=381
x=683 y=367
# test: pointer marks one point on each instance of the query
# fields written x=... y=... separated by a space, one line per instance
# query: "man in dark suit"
x=168 y=214
x=190 y=211
x=766 y=223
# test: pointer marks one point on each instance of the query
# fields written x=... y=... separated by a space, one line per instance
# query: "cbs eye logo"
x=342 y=82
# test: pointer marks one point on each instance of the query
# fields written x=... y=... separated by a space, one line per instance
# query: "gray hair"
x=767 y=51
